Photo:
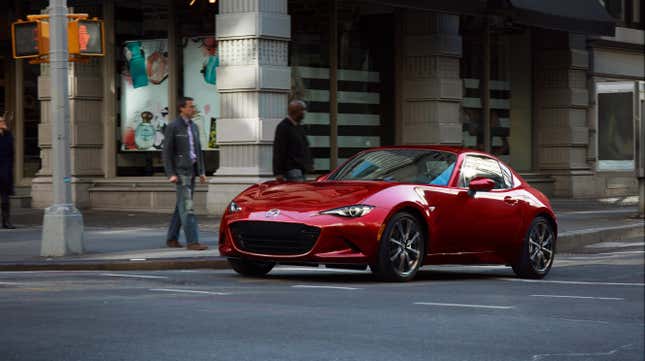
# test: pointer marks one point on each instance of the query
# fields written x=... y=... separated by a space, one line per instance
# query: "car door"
x=489 y=219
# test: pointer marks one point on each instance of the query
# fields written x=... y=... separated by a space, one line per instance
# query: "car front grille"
x=274 y=238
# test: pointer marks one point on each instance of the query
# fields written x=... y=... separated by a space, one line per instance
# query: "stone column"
x=431 y=89
x=86 y=134
x=561 y=104
x=253 y=83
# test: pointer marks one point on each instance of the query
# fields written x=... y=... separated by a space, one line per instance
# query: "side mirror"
x=481 y=185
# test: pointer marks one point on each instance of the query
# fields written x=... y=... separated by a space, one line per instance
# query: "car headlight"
x=354 y=211
x=234 y=208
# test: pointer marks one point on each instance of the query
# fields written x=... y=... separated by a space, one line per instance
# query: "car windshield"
x=422 y=166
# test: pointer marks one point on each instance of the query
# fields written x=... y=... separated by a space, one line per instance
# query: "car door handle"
x=510 y=200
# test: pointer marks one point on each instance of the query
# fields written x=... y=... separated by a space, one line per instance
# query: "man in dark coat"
x=6 y=172
x=291 y=153
x=183 y=160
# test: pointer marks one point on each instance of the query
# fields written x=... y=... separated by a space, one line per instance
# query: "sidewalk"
x=125 y=240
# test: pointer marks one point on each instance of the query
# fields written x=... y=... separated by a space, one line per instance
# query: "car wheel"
x=401 y=249
x=538 y=250
x=250 y=268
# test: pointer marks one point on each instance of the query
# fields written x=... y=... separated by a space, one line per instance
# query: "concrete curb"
x=570 y=241
x=117 y=265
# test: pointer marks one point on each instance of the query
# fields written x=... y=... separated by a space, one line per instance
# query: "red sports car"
x=395 y=209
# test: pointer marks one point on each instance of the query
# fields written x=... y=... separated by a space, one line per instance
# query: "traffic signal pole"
x=63 y=223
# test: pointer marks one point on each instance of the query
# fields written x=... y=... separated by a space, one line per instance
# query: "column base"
x=41 y=192
x=62 y=231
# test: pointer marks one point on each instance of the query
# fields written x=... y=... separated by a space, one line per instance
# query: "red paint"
x=464 y=225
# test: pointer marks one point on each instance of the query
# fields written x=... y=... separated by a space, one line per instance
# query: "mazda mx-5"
x=395 y=209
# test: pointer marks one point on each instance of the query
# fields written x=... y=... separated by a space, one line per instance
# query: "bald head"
x=296 y=110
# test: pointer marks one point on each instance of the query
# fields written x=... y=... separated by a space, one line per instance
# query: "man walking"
x=6 y=172
x=183 y=160
x=291 y=153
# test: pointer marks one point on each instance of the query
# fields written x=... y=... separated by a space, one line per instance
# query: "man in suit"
x=291 y=153
x=183 y=161
x=6 y=172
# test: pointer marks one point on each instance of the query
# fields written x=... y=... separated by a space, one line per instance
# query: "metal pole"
x=63 y=223
x=640 y=146
x=484 y=85
x=333 y=84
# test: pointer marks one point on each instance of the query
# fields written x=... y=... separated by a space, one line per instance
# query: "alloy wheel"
x=541 y=246
x=405 y=246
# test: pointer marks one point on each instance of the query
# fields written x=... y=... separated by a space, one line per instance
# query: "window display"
x=200 y=82
x=615 y=126
x=144 y=100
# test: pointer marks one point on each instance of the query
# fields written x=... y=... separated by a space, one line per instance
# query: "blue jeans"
x=184 y=212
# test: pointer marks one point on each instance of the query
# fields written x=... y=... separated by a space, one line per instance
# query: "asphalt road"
x=589 y=308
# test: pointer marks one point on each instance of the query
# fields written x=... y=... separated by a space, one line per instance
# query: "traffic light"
x=85 y=37
x=30 y=39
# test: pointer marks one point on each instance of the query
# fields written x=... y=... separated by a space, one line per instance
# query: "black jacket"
x=6 y=162
x=291 y=149
x=176 y=150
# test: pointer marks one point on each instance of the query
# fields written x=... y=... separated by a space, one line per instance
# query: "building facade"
x=560 y=101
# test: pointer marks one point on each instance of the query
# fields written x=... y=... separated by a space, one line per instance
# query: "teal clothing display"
x=137 y=64
x=210 y=73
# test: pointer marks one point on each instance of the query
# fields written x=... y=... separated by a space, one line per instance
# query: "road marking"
x=189 y=291
x=9 y=284
x=137 y=259
x=577 y=320
x=464 y=305
x=132 y=276
x=615 y=244
x=582 y=297
x=327 y=287
x=579 y=354
x=574 y=282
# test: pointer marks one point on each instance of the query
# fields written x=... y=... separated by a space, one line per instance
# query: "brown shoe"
x=173 y=243
x=196 y=247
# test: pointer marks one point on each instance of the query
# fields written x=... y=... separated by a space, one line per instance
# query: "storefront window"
x=31 y=114
x=310 y=74
x=365 y=77
x=141 y=34
x=144 y=66
x=615 y=126
x=364 y=69
x=500 y=88
x=199 y=60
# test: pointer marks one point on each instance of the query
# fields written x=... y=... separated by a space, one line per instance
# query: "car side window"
x=509 y=182
x=476 y=166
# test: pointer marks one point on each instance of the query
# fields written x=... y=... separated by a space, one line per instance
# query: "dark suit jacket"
x=6 y=163
x=176 y=150
x=291 y=149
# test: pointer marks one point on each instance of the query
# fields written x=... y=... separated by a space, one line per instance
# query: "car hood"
x=304 y=197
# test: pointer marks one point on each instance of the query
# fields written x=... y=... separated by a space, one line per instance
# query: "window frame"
x=499 y=165
x=612 y=88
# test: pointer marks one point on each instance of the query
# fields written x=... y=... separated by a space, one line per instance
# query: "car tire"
x=401 y=249
x=250 y=268
x=538 y=250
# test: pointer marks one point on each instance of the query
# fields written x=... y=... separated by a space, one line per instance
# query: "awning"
x=576 y=16
x=458 y=7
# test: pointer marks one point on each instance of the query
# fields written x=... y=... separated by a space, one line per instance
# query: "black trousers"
x=4 y=199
